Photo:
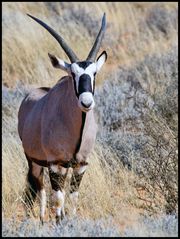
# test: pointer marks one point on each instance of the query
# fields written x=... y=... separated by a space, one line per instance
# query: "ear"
x=101 y=60
x=58 y=63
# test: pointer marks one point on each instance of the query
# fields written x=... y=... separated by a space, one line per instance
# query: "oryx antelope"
x=57 y=125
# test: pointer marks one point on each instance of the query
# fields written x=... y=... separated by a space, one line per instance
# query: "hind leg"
x=35 y=184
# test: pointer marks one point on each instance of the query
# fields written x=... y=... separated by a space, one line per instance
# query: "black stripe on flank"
x=70 y=163
x=93 y=86
x=81 y=133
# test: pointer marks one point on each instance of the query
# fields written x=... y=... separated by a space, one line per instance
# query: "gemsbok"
x=57 y=125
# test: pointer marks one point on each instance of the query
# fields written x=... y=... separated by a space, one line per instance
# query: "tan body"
x=57 y=125
x=50 y=125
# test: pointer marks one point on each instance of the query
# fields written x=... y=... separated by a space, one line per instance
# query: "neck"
x=71 y=86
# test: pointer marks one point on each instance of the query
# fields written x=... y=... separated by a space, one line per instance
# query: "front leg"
x=77 y=175
x=57 y=177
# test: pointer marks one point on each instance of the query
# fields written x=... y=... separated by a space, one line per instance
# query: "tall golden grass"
x=25 y=44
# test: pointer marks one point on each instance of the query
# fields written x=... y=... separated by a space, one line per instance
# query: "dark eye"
x=94 y=74
x=73 y=75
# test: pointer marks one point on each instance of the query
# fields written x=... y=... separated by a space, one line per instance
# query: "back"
x=27 y=104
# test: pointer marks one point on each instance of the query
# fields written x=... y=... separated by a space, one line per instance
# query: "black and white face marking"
x=83 y=74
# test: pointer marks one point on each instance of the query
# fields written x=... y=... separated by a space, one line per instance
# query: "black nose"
x=86 y=105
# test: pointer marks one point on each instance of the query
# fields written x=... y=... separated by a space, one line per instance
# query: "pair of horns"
x=69 y=52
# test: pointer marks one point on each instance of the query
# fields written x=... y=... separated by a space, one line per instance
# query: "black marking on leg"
x=75 y=182
x=57 y=180
x=31 y=191
x=34 y=184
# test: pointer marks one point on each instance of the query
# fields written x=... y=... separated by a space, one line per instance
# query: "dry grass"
x=98 y=198
x=134 y=31
x=26 y=44
x=103 y=191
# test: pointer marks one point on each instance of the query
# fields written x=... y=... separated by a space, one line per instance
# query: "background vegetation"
x=130 y=187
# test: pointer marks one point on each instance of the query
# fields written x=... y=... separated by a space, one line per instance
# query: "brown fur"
x=50 y=123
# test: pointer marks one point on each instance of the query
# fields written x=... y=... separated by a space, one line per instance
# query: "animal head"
x=82 y=72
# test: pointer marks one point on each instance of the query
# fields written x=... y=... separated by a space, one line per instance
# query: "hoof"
x=62 y=215
x=58 y=220
x=41 y=221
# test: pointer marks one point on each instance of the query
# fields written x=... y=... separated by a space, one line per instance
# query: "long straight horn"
x=67 y=49
x=93 y=53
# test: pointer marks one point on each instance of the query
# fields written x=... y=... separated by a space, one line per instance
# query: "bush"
x=137 y=111
x=161 y=19
x=75 y=227
x=162 y=226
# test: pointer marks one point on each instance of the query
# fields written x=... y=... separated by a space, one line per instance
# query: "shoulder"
x=64 y=80
x=62 y=84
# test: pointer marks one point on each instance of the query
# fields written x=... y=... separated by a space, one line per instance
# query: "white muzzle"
x=86 y=101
